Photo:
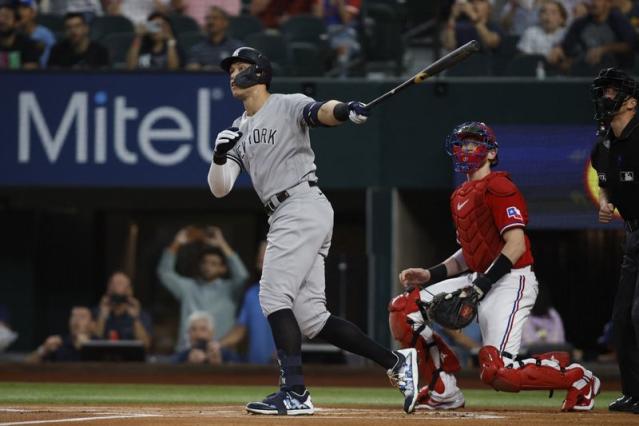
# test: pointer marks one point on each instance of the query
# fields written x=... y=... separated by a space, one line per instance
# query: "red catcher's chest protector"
x=477 y=232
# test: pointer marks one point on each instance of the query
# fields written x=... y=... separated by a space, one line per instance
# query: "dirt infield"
x=235 y=415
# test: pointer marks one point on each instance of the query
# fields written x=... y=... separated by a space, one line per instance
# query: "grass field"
x=92 y=394
x=28 y=403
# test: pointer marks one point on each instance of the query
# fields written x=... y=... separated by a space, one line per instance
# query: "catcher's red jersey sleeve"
x=509 y=211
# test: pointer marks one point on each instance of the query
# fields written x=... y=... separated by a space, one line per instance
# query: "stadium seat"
x=273 y=45
x=118 y=45
x=183 y=24
x=306 y=59
x=188 y=40
x=103 y=25
x=478 y=65
x=243 y=25
x=421 y=16
x=524 y=65
x=506 y=51
x=55 y=23
x=306 y=28
x=383 y=45
x=583 y=69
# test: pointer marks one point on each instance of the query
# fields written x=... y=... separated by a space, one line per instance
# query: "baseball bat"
x=445 y=62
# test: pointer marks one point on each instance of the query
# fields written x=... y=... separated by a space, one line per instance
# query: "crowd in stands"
x=220 y=318
x=320 y=37
x=219 y=314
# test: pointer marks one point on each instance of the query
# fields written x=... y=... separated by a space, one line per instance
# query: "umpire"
x=616 y=159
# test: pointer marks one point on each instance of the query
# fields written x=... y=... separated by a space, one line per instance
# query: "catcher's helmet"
x=260 y=73
x=606 y=107
x=466 y=161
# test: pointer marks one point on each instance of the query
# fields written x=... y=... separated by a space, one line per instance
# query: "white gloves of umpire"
x=357 y=112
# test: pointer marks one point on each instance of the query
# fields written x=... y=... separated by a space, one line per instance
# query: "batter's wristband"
x=219 y=159
x=437 y=273
x=340 y=111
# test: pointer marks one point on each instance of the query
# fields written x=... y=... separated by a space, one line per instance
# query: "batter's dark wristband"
x=219 y=159
x=340 y=111
x=437 y=273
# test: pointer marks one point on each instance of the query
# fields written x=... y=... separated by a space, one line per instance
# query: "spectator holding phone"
x=216 y=286
x=202 y=348
x=154 y=46
x=470 y=20
x=120 y=315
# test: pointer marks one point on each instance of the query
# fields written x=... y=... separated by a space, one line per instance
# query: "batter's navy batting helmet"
x=606 y=107
x=483 y=136
x=260 y=73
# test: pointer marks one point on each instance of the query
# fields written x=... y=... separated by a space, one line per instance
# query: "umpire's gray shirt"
x=275 y=148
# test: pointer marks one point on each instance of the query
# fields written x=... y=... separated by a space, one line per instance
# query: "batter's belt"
x=274 y=202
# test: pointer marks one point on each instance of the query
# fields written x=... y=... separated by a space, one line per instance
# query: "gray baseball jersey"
x=275 y=148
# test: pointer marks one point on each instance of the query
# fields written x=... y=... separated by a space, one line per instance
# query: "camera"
x=118 y=299
x=153 y=27
x=201 y=344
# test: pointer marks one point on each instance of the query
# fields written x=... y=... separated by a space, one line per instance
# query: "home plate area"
x=234 y=415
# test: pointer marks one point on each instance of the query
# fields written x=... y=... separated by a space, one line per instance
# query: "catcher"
x=493 y=280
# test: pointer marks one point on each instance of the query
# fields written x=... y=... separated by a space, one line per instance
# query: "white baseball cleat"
x=405 y=376
x=429 y=400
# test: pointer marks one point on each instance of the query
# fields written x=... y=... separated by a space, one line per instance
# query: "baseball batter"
x=495 y=263
x=271 y=142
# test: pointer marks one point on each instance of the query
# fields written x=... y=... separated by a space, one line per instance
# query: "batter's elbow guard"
x=311 y=114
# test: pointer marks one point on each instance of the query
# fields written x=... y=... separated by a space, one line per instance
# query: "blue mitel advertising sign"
x=112 y=130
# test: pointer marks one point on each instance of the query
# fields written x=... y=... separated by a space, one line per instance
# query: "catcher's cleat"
x=405 y=376
x=283 y=403
x=442 y=394
x=426 y=401
x=581 y=395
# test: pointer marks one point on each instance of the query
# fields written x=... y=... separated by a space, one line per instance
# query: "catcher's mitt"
x=454 y=310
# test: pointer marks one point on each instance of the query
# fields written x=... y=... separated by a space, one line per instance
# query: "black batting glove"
x=224 y=142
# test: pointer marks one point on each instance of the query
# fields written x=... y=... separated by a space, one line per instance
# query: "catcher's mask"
x=260 y=71
x=469 y=144
x=606 y=106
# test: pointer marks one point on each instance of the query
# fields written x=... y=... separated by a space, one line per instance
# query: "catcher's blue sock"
x=346 y=335
x=288 y=340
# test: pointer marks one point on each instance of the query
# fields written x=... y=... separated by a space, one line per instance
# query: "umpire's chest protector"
x=477 y=232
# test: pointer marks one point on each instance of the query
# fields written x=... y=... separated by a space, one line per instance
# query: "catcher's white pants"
x=501 y=313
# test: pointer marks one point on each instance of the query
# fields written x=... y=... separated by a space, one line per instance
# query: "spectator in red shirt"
x=273 y=13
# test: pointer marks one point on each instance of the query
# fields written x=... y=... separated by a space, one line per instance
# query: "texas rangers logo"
x=466 y=312
x=514 y=213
